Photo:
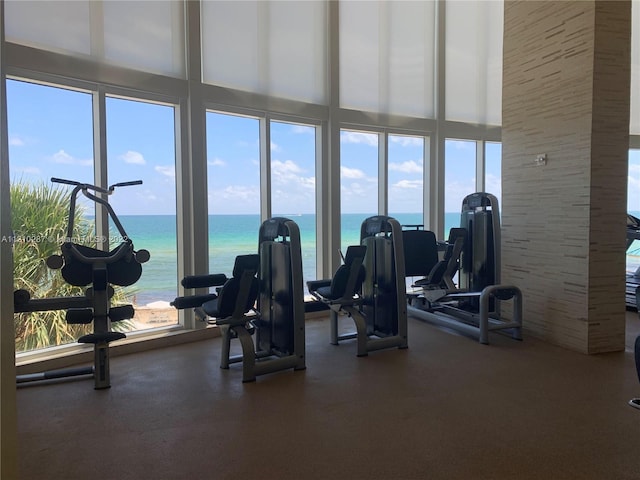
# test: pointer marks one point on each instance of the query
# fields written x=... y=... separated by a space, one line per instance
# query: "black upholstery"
x=204 y=281
x=239 y=293
x=420 y=252
x=637 y=342
x=637 y=356
x=442 y=273
x=124 y=272
x=347 y=280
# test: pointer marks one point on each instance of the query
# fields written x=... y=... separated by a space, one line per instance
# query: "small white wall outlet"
x=541 y=159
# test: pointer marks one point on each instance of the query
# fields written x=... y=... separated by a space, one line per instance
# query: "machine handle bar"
x=85 y=187
x=95 y=188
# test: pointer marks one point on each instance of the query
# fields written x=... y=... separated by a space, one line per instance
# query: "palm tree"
x=40 y=213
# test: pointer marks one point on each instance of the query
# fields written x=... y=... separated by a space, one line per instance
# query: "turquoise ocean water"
x=230 y=235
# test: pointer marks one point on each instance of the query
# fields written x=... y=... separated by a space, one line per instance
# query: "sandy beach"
x=155 y=314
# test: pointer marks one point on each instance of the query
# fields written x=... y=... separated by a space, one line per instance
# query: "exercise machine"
x=264 y=300
x=370 y=288
x=635 y=402
x=473 y=253
x=632 y=279
x=342 y=294
x=81 y=266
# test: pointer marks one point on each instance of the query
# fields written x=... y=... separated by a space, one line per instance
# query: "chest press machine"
x=369 y=288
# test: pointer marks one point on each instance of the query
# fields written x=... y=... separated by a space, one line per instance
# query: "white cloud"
x=634 y=183
x=275 y=147
x=410 y=184
x=133 y=157
x=493 y=185
x=217 y=162
x=149 y=196
x=370 y=139
x=167 y=170
x=279 y=167
x=64 y=158
x=406 y=141
x=409 y=166
x=633 y=193
x=454 y=193
x=290 y=187
x=462 y=144
x=235 y=199
x=302 y=129
x=27 y=170
x=15 y=141
x=347 y=172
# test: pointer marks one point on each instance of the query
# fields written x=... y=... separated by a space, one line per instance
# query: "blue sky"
x=50 y=134
x=633 y=191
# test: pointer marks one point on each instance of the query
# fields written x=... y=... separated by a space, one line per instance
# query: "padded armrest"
x=423 y=282
x=105 y=337
x=192 y=301
x=314 y=285
x=203 y=281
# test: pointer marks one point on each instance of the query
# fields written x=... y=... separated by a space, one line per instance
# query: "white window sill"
x=76 y=353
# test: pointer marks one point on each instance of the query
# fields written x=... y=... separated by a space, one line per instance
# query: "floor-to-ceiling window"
x=293 y=184
x=53 y=135
x=141 y=146
x=233 y=181
x=358 y=182
x=459 y=178
x=277 y=69
x=406 y=178
x=50 y=135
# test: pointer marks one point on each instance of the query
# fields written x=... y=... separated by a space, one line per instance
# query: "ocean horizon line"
x=257 y=214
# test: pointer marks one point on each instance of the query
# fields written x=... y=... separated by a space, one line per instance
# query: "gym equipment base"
x=476 y=324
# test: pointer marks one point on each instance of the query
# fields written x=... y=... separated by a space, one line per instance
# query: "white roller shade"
x=473 y=88
x=57 y=26
x=143 y=35
x=148 y=35
x=275 y=48
x=387 y=57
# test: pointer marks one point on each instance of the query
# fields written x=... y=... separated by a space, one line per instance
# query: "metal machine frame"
x=379 y=311
x=480 y=289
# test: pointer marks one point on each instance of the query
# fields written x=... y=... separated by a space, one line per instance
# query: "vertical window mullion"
x=383 y=174
x=265 y=168
x=100 y=165
x=480 y=166
x=428 y=202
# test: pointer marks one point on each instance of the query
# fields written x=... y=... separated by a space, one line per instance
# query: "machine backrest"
x=480 y=265
x=384 y=288
x=281 y=293
x=348 y=279
x=123 y=272
x=445 y=269
x=238 y=295
x=420 y=252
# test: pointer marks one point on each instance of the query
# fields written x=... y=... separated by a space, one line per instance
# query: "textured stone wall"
x=566 y=94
